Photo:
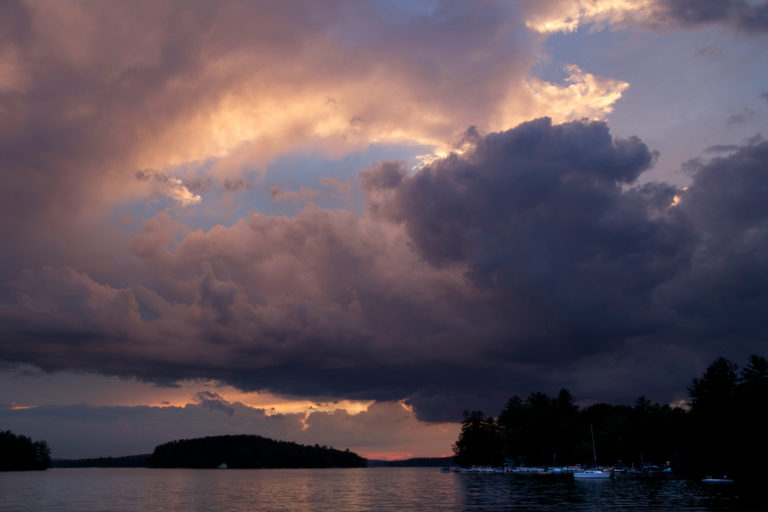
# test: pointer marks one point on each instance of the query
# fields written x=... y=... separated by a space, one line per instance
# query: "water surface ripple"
x=342 y=490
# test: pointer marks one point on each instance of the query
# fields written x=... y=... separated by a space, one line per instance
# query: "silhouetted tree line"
x=20 y=453
x=724 y=429
x=415 y=462
x=249 y=451
x=128 y=461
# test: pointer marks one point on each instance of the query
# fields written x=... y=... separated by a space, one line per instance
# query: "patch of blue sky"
x=290 y=172
x=308 y=168
x=293 y=171
x=686 y=88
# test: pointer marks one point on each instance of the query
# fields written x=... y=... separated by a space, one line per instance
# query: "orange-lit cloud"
x=582 y=96
x=17 y=407
x=569 y=15
x=552 y=16
x=162 y=84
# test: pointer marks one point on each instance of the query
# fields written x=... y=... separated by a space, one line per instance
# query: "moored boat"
x=481 y=469
x=710 y=480
x=594 y=474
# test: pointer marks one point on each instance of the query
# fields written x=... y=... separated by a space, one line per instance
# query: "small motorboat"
x=710 y=480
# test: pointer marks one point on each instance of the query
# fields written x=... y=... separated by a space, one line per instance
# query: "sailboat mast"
x=594 y=452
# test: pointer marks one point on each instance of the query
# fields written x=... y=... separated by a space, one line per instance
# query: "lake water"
x=340 y=490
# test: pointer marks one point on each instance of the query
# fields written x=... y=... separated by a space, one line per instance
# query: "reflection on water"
x=483 y=493
x=375 y=489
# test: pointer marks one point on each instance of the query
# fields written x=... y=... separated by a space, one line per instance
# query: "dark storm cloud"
x=720 y=297
x=530 y=262
x=533 y=261
x=747 y=16
x=539 y=217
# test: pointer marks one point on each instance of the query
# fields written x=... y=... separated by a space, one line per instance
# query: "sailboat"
x=592 y=474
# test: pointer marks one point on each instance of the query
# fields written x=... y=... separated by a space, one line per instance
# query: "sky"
x=346 y=222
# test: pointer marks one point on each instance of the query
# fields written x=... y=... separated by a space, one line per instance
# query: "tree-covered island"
x=249 y=451
x=722 y=430
x=20 y=453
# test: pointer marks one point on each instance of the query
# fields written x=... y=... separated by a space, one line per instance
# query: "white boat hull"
x=710 y=480
x=592 y=475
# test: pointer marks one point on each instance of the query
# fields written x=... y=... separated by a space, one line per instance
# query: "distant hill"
x=128 y=461
x=249 y=451
x=143 y=460
x=422 y=462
